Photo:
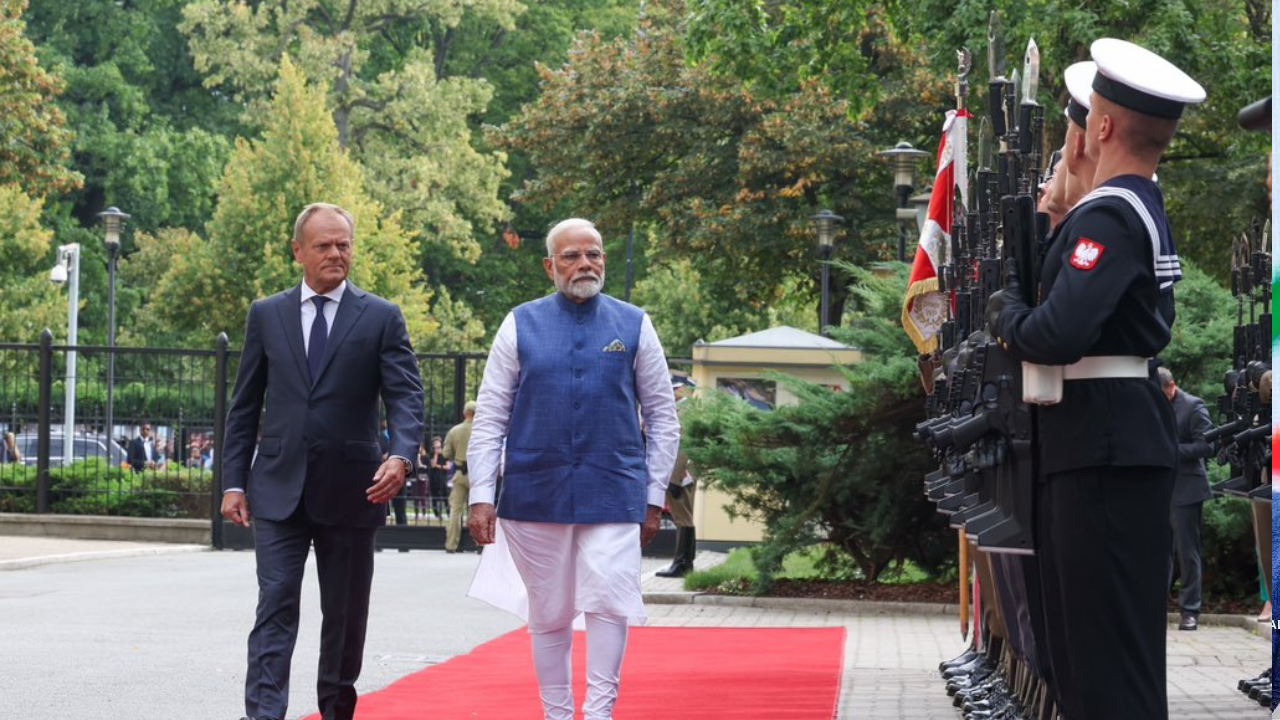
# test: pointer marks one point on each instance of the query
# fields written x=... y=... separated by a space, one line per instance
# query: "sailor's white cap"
x=1138 y=79
x=1079 y=79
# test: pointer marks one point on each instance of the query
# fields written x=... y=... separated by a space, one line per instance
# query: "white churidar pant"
x=549 y=574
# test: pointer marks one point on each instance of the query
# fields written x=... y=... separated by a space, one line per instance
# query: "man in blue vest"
x=578 y=388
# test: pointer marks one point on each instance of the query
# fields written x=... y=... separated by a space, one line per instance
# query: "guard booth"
x=737 y=366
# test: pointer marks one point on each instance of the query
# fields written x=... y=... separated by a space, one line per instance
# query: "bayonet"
x=986 y=146
x=995 y=47
x=965 y=61
x=1031 y=73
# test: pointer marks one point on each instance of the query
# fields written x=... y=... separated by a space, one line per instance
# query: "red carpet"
x=722 y=673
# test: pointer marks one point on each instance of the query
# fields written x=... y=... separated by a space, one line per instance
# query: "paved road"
x=161 y=636
x=164 y=636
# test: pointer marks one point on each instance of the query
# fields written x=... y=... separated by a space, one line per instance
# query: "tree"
x=1212 y=174
x=267 y=182
x=149 y=138
x=716 y=173
x=31 y=303
x=838 y=467
x=403 y=121
x=37 y=142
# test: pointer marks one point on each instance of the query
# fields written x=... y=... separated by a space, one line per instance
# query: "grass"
x=738 y=574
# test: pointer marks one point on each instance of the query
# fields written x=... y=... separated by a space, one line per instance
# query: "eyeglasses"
x=573 y=256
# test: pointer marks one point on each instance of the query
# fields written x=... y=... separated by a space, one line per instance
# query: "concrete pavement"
x=131 y=630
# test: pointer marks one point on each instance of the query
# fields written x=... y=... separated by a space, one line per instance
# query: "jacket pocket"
x=269 y=446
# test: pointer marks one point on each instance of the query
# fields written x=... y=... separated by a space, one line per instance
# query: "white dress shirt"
x=497 y=398
x=309 y=310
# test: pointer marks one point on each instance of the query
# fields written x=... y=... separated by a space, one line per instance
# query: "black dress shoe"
x=1189 y=621
x=676 y=569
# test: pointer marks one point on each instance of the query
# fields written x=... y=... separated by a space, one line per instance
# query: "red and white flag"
x=925 y=308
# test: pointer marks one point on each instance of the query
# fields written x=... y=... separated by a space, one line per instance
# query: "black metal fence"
x=49 y=393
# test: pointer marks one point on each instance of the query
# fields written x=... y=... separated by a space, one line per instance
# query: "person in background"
x=455 y=450
x=1190 y=490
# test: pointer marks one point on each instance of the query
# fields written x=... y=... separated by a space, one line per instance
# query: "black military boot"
x=686 y=546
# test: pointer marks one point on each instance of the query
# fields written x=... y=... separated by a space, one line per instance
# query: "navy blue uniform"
x=1107 y=452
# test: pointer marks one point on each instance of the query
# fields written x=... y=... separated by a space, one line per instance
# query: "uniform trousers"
x=1103 y=539
x=458 y=507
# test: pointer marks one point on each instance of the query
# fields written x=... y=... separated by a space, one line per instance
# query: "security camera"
x=58 y=275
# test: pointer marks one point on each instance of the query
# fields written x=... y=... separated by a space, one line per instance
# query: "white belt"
x=1099 y=367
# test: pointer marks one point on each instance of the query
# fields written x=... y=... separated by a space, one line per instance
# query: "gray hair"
x=1166 y=377
x=312 y=209
x=571 y=224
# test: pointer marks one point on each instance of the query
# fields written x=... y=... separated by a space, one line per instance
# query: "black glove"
x=1001 y=301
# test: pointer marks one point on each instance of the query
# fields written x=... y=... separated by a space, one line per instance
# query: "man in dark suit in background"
x=142 y=450
x=1190 y=490
x=318 y=474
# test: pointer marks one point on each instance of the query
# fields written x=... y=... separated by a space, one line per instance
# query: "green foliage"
x=31 y=303
x=684 y=310
x=1228 y=566
x=94 y=487
x=403 y=120
x=248 y=255
x=1213 y=172
x=717 y=175
x=838 y=467
x=37 y=142
x=1200 y=351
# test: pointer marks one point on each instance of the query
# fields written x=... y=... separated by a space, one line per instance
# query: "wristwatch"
x=408 y=466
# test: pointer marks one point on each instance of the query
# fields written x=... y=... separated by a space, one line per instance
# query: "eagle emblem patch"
x=1086 y=254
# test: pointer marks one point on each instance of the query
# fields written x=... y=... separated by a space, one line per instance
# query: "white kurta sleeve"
x=658 y=408
x=493 y=413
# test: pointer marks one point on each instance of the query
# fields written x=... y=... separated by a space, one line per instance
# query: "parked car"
x=86 y=446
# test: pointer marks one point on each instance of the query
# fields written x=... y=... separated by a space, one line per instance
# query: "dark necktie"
x=319 y=336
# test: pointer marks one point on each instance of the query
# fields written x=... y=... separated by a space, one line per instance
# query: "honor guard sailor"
x=1107 y=452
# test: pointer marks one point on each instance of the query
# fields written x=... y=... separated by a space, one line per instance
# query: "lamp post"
x=112 y=220
x=920 y=207
x=824 y=223
x=904 y=158
x=68 y=271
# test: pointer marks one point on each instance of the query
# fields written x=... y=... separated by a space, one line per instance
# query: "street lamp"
x=68 y=271
x=825 y=225
x=112 y=220
x=920 y=205
x=904 y=158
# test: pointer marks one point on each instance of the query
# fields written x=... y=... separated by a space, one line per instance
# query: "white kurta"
x=605 y=570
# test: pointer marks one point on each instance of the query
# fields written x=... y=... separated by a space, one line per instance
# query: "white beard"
x=582 y=287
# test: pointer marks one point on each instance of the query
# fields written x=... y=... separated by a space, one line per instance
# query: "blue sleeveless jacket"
x=575 y=453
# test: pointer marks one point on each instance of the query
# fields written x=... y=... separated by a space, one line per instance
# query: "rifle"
x=982 y=432
x=1243 y=438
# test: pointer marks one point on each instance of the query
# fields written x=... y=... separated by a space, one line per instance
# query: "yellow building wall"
x=711 y=364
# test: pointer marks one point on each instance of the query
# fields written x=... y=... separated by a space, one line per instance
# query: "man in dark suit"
x=309 y=467
x=142 y=450
x=1190 y=490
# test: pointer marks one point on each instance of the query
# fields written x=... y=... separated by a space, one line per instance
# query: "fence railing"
x=180 y=394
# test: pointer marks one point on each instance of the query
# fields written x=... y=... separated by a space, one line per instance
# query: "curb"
x=875 y=607
x=32 y=562
x=856 y=607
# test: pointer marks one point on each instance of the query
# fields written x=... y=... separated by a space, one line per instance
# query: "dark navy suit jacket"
x=319 y=442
